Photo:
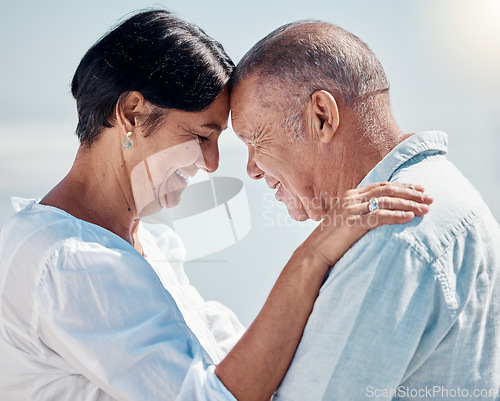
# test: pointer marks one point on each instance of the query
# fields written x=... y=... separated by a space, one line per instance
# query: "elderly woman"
x=83 y=315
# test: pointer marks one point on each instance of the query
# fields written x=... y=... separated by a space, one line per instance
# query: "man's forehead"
x=250 y=106
x=243 y=93
x=242 y=123
x=254 y=96
x=243 y=101
x=246 y=113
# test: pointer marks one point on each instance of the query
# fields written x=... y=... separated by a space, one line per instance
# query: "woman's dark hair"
x=172 y=63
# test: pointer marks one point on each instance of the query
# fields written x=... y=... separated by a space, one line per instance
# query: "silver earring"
x=127 y=142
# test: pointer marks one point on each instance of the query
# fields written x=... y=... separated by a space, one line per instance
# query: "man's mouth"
x=276 y=185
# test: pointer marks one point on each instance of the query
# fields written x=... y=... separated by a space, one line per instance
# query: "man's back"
x=410 y=311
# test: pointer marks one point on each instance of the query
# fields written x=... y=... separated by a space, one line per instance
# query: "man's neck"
x=353 y=157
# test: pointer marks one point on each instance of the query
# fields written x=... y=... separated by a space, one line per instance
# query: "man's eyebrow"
x=247 y=139
x=215 y=127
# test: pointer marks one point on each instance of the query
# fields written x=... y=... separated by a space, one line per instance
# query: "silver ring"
x=373 y=204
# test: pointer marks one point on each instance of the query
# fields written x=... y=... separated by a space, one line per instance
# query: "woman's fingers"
x=395 y=189
x=388 y=203
x=383 y=184
x=384 y=203
x=393 y=204
x=380 y=217
x=363 y=209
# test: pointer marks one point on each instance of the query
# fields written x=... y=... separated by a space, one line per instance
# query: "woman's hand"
x=350 y=217
x=258 y=362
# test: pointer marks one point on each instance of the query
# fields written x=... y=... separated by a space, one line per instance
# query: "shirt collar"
x=423 y=142
x=21 y=203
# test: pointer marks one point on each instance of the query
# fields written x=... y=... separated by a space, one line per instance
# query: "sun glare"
x=472 y=33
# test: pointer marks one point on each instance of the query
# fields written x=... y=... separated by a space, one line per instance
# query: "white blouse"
x=83 y=316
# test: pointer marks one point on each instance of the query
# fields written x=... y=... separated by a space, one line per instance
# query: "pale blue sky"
x=442 y=59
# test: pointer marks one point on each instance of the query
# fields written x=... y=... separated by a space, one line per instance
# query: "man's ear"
x=130 y=109
x=323 y=115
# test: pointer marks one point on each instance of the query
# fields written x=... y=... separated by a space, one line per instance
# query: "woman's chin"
x=172 y=199
x=149 y=209
x=171 y=191
x=168 y=201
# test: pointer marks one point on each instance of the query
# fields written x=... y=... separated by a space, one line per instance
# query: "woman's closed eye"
x=200 y=139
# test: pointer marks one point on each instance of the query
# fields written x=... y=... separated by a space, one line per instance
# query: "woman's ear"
x=323 y=115
x=130 y=109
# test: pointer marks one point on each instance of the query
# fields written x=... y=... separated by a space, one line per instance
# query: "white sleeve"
x=107 y=314
x=224 y=325
x=219 y=320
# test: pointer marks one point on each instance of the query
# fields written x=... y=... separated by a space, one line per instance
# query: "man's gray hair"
x=305 y=56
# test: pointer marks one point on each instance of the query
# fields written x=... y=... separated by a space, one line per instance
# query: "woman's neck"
x=97 y=190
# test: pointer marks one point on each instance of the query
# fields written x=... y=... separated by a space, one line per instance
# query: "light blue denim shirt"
x=411 y=311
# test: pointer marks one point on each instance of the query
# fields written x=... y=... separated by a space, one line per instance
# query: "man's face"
x=287 y=165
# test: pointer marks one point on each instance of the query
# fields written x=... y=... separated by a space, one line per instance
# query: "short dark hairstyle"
x=172 y=63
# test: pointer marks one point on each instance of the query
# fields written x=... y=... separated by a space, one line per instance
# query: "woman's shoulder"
x=50 y=261
x=37 y=224
x=33 y=229
x=41 y=244
x=37 y=233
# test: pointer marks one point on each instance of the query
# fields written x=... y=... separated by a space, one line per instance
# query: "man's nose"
x=252 y=169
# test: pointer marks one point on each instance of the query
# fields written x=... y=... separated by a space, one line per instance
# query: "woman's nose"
x=211 y=157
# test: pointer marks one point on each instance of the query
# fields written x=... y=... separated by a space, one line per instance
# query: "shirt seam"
x=47 y=258
x=41 y=271
x=450 y=296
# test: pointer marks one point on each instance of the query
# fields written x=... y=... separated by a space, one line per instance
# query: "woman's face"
x=185 y=143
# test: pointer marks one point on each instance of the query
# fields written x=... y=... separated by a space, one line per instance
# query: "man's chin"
x=301 y=214
x=294 y=205
x=296 y=214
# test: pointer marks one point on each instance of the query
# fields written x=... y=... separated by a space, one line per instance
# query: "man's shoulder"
x=453 y=243
x=458 y=210
x=458 y=223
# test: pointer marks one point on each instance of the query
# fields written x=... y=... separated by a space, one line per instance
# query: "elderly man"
x=410 y=311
